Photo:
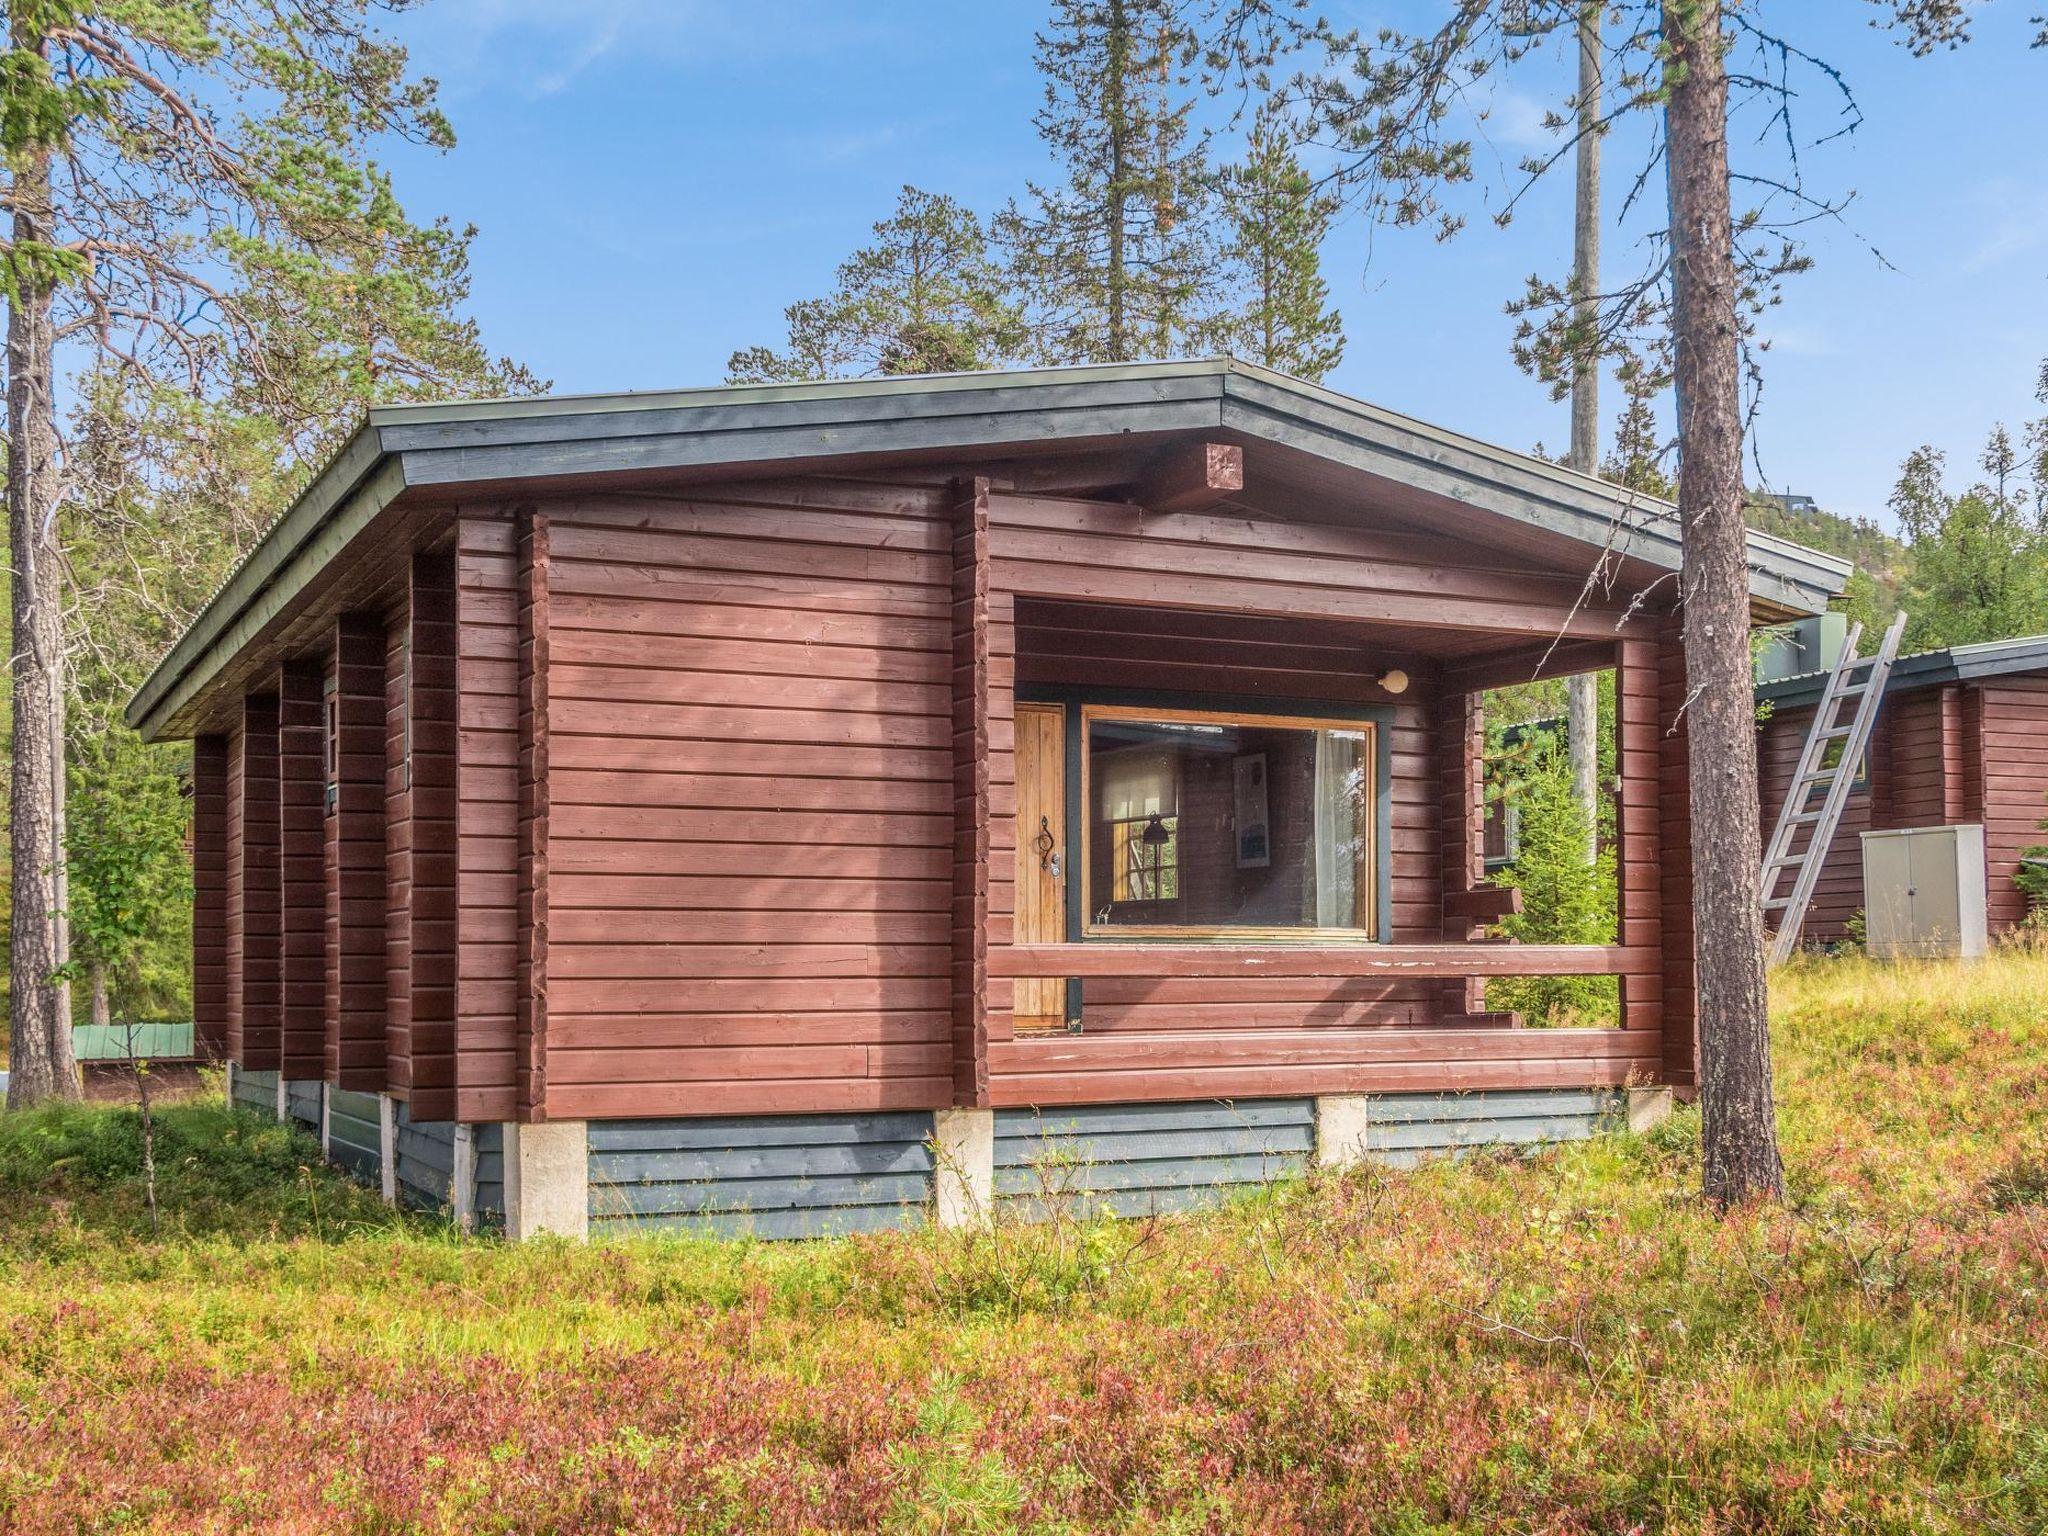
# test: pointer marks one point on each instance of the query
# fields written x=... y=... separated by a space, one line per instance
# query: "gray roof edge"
x=350 y=466
x=1927 y=669
x=1791 y=575
x=1783 y=571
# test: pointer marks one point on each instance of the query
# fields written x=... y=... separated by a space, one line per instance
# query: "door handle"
x=1048 y=847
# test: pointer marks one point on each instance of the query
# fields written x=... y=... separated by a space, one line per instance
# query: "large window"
x=1230 y=825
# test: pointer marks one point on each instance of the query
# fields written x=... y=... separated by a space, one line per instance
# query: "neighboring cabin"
x=699 y=807
x=1961 y=739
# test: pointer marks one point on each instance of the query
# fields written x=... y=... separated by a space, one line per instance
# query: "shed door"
x=1041 y=855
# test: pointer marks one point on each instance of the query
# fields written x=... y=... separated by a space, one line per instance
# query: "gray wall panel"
x=768 y=1176
x=426 y=1160
x=490 y=1174
x=302 y=1102
x=257 y=1091
x=353 y=1139
x=1147 y=1159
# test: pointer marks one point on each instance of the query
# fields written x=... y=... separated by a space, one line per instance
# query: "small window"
x=1227 y=825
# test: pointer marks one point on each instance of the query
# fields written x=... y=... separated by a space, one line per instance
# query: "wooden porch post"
x=1460 y=731
x=531 y=1017
x=1674 y=831
x=210 y=897
x=971 y=841
x=1639 y=808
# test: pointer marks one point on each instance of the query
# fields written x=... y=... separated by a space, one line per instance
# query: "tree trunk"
x=102 y=1012
x=1116 y=69
x=1740 y=1127
x=42 y=1064
x=1583 y=689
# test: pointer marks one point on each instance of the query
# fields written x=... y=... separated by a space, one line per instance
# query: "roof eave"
x=400 y=447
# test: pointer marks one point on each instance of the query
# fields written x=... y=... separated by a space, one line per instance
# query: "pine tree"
x=185 y=184
x=1277 y=221
x=1119 y=262
x=1636 y=462
x=924 y=298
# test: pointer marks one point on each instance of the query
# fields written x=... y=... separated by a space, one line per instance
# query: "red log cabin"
x=801 y=809
x=1961 y=739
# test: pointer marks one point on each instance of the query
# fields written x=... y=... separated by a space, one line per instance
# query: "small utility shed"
x=719 y=798
x=1961 y=738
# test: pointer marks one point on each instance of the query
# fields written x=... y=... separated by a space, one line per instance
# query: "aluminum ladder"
x=1861 y=678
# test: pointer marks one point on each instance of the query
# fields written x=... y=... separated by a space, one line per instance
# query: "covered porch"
x=1158 y=894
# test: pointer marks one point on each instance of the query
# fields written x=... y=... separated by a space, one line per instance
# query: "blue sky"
x=654 y=179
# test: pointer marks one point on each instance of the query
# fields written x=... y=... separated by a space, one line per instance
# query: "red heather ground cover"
x=1567 y=1344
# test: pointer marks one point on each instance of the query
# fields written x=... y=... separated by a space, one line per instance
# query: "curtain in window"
x=1338 y=805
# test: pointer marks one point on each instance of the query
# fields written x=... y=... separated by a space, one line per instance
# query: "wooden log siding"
x=302 y=856
x=532 y=917
x=2013 y=772
x=1461 y=763
x=972 y=859
x=255 y=960
x=1116 y=553
x=1679 y=1063
x=750 y=828
x=1945 y=754
x=355 y=863
x=1224 y=960
x=1639 y=851
x=487 y=818
x=397 y=858
x=210 y=897
x=430 y=703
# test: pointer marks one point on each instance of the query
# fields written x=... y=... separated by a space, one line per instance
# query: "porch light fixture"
x=1395 y=681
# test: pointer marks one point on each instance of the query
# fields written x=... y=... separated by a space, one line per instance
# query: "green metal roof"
x=1926 y=669
x=556 y=437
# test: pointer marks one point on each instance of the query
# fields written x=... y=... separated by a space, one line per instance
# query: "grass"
x=1567 y=1343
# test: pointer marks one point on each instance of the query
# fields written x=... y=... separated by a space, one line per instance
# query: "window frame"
x=1367 y=876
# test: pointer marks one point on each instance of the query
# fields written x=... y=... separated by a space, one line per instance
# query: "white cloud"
x=2013 y=222
x=542 y=47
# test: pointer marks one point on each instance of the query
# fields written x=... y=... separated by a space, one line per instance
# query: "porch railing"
x=1160 y=961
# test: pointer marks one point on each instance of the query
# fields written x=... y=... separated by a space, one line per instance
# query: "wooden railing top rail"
x=1161 y=960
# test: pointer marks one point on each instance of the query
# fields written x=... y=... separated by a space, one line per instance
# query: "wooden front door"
x=1041 y=855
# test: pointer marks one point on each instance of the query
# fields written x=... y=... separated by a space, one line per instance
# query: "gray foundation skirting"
x=255 y=1090
x=770 y=1176
x=355 y=1139
x=302 y=1102
x=1146 y=1159
x=426 y=1161
x=1403 y=1129
x=800 y=1176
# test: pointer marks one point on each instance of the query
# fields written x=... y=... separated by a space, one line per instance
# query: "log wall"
x=706 y=805
x=210 y=814
x=749 y=848
x=356 y=905
x=1940 y=755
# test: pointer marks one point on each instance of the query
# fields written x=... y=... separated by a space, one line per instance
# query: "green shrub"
x=1565 y=900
